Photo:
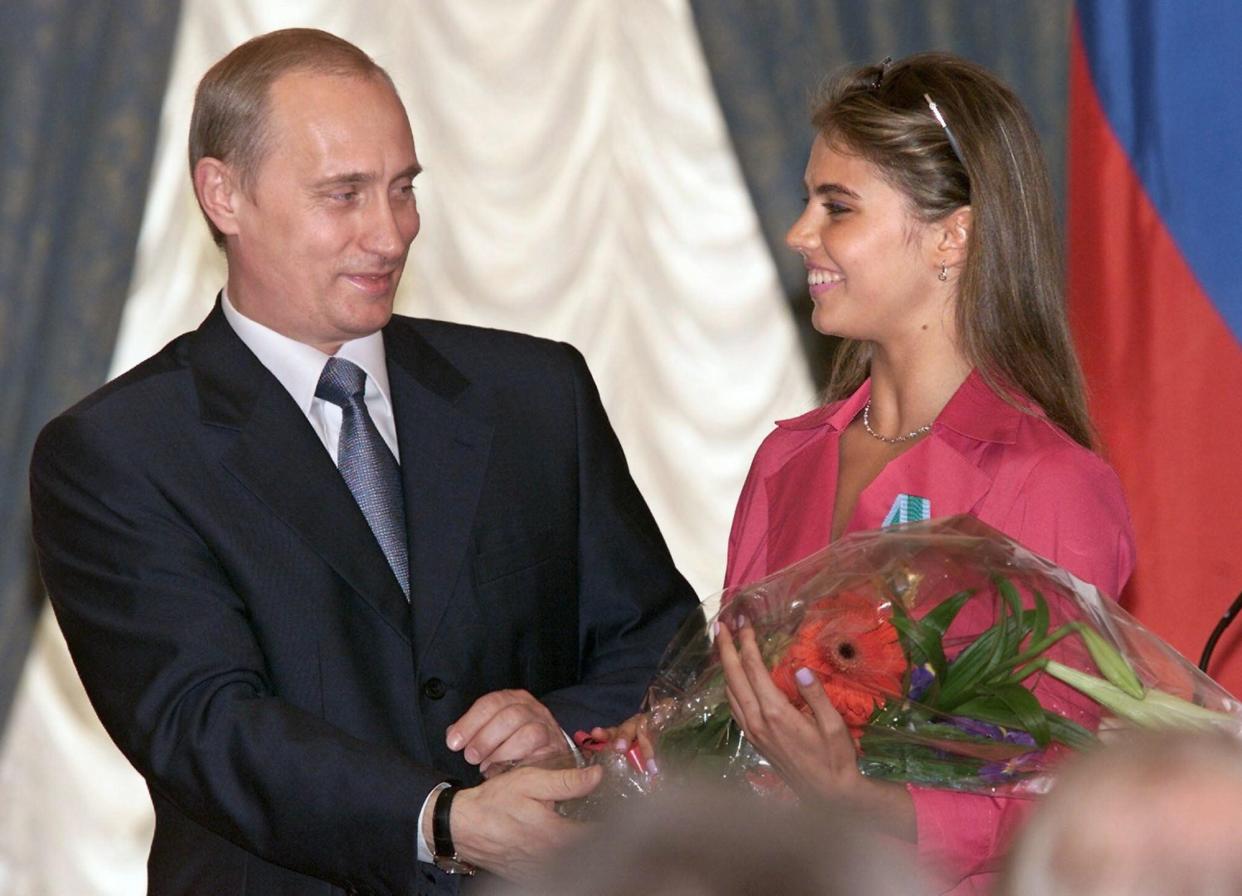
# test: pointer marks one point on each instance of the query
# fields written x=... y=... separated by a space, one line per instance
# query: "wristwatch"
x=445 y=857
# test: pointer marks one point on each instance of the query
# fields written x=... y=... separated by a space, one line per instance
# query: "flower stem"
x=1156 y=708
x=1034 y=650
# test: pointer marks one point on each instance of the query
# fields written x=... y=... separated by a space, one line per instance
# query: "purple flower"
x=1018 y=736
x=992 y=732
x=921 y=678
x=1000 y=772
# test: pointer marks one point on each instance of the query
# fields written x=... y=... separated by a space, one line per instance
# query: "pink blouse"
x=1015 y=471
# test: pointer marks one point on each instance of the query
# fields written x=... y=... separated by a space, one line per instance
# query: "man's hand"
x=508 y=824
x=506 y=726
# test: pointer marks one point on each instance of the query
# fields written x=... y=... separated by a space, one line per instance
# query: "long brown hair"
x=1011 y=316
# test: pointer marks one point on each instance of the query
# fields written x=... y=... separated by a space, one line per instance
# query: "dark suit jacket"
x=244 y=641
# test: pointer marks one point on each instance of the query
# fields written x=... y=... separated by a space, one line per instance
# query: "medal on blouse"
x=907 y=509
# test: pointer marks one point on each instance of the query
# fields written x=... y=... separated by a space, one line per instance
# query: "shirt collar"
x=297 y=365
x=978 y=412
x=975 y=411
x=835 y=416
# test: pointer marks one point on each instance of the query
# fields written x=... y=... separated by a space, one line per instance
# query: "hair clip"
x=935 y=110
x=883 y=70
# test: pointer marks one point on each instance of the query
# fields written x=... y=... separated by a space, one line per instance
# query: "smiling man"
x=320 y=566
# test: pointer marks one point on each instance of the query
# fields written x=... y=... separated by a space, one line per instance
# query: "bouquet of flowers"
x=958 y=659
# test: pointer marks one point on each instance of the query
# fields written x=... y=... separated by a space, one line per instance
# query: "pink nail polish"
x=653 y=767
x=804 y=677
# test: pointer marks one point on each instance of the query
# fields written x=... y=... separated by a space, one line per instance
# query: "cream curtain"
x=579 y=185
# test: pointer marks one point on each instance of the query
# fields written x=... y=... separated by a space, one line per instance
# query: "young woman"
x=930 y=246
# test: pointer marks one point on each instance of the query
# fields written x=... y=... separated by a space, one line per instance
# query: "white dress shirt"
x=298 y=366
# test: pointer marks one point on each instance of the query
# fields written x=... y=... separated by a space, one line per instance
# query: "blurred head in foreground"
x=1154 y=814
x=687 y=842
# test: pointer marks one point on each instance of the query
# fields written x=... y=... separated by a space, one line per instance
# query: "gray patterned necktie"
x=366 y=463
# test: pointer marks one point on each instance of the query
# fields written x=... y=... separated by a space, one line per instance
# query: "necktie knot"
x=340 y=382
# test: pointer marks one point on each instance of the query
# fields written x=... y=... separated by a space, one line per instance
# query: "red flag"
x=1156 y=303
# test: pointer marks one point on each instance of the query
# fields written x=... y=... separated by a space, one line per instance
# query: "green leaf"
x=923 y=644
x=1026 y=708
x=1009 y=593
x=1067 y=732
x=1039 y=630
x=1023 y=620
x=971 y=666
x=923 y=638
x=942 y=617
x=989 y=708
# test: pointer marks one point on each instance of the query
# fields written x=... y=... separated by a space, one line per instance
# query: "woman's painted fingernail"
x=621 y=745
x=653 y=767
x=716 y=628
x=804 y=677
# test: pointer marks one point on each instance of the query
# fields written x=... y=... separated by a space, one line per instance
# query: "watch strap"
x=441 y=832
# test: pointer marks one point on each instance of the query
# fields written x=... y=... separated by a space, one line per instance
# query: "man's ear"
x=218 y=191
x=953 y=236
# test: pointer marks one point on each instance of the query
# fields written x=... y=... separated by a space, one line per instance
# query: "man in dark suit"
x=315 y=562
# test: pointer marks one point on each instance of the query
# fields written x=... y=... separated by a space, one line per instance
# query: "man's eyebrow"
x=345 y=178
x=362 y=178
x=834 y=189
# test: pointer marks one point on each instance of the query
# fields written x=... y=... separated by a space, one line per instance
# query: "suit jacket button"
x=434 y=689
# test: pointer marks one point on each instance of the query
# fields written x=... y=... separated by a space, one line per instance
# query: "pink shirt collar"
x=975 y=411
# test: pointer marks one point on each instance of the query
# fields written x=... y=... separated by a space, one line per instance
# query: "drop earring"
x=944 y=273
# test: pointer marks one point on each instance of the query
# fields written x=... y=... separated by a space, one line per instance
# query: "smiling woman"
x=872 y=267
x=929 y=245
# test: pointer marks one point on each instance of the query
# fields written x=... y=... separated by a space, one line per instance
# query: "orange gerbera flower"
x=853 y=649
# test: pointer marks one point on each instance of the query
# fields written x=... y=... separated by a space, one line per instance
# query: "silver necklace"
x=913 y=434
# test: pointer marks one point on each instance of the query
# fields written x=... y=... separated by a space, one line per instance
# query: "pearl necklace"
x=913 y=434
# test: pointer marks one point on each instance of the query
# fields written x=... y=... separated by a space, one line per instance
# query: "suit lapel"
x=445 y=436
x=277 y=456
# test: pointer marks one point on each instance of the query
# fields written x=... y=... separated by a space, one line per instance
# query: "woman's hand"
x=624 y=736
x=813 y=751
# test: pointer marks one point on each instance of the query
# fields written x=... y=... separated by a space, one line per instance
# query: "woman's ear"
x=216 y=188
x=953 y=236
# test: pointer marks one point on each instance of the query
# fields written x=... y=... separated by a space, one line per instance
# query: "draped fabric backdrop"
x=80 y=86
